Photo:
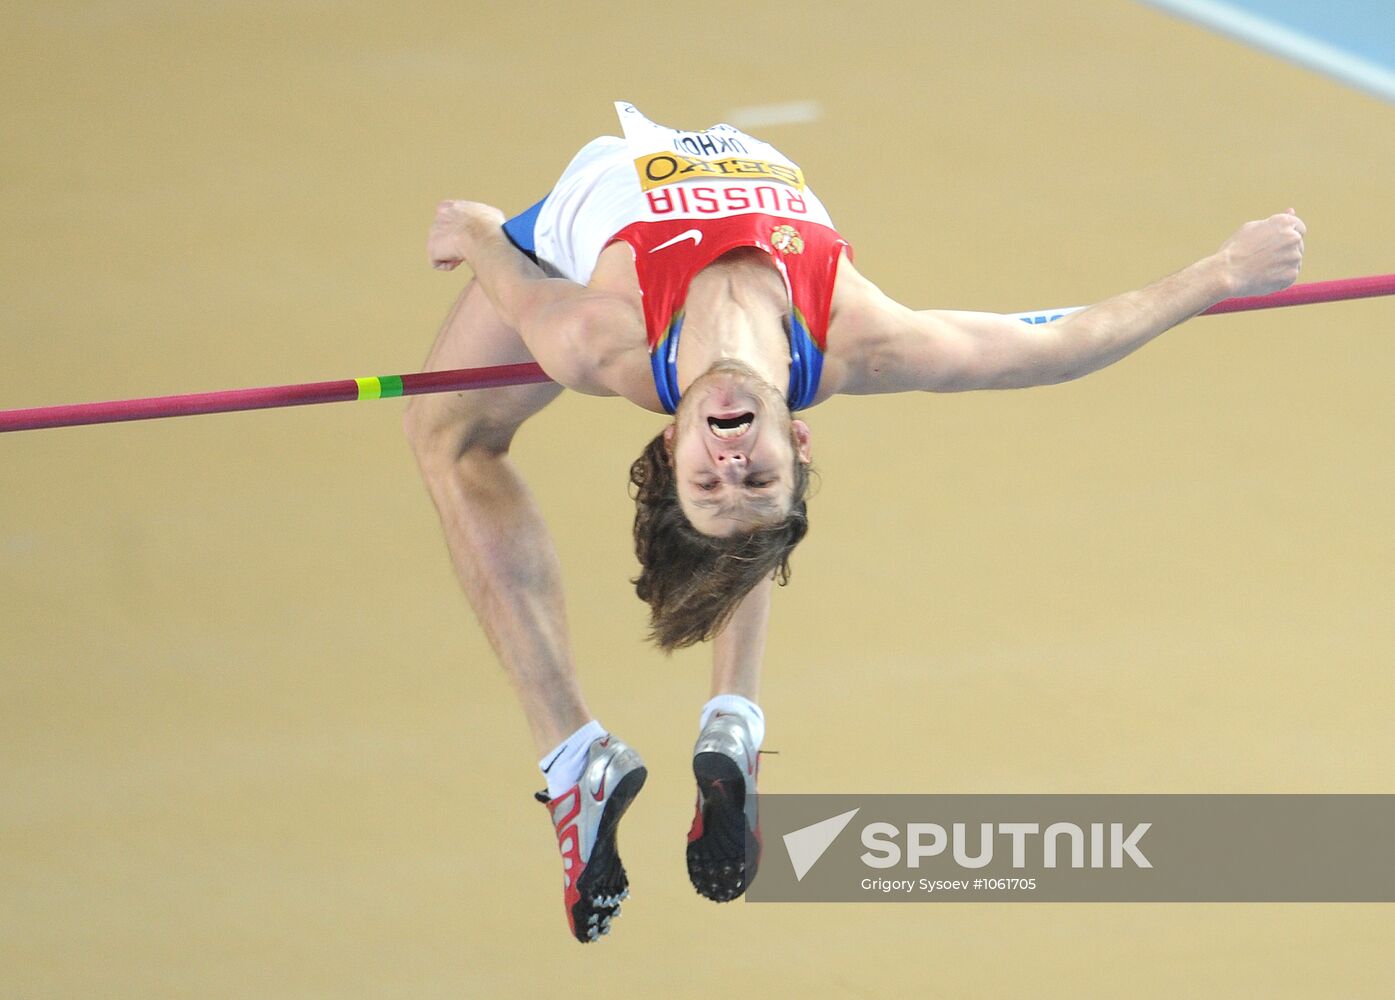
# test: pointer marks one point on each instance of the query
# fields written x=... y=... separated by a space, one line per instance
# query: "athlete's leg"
x=738 y=649
x=501 y=548
x=508 y=566
x=726 y=757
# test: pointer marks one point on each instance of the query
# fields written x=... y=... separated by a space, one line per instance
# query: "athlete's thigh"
x=473 y=336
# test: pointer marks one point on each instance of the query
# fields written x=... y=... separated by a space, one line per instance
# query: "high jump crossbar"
x=459 y=379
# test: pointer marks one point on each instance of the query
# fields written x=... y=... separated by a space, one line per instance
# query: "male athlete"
x=695 y=273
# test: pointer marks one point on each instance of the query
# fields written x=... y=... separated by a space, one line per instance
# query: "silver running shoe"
x=724 y=844
x=585 y=818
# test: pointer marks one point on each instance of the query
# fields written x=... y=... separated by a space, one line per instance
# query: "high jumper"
x=695 y=273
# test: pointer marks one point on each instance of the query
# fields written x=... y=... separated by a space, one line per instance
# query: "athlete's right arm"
x=577 y=334
x=898 y=349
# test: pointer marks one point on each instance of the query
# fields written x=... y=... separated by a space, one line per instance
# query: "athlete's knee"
x=422 y=425
x=444 y=437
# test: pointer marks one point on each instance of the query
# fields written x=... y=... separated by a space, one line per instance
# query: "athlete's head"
x=736 y=451
x=719 y=502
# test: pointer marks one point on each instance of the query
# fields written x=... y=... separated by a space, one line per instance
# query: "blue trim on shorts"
x=520 y=229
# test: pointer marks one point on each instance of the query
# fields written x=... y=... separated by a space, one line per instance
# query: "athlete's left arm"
x=579 y=335
x=900 y=350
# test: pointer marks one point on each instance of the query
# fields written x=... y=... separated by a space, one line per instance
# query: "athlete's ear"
x=669 y=432
x=799 y=431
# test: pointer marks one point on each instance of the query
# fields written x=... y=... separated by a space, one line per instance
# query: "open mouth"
x=731 y=427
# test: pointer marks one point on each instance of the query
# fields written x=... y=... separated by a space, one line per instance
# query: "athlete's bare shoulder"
x=615 y=273
x=617 y=331
x=853 y=330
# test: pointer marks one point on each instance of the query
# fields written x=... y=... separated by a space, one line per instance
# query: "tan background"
x=251 y=742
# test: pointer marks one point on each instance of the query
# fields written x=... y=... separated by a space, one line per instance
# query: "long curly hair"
x=694 y=582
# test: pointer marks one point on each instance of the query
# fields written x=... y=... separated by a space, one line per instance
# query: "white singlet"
x=646 y=176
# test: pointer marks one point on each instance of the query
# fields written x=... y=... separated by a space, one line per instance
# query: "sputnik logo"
x=806 y=845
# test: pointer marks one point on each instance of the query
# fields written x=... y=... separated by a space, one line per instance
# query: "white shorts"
x=591 y=202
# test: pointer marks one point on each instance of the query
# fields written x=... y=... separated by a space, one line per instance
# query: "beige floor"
x=253 y=745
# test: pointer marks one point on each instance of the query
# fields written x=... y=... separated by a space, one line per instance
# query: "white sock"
x=563 y=766
x=735 y=704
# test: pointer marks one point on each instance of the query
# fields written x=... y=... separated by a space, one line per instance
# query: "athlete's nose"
x=731 y=464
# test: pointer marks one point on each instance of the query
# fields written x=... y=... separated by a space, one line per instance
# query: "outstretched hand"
x=1264 y=256
x=453 y=228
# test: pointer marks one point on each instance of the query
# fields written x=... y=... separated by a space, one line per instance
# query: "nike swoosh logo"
x=599 y=793
x=554 y=760
x=692 y=234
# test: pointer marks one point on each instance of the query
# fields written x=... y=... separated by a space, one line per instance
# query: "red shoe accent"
x=695 y=831
x=569 y=843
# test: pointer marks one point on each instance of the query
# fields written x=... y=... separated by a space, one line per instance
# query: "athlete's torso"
x=690 y=198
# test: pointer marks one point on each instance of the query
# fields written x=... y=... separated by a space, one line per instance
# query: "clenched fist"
x=454 y=227
x=1264 y=256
